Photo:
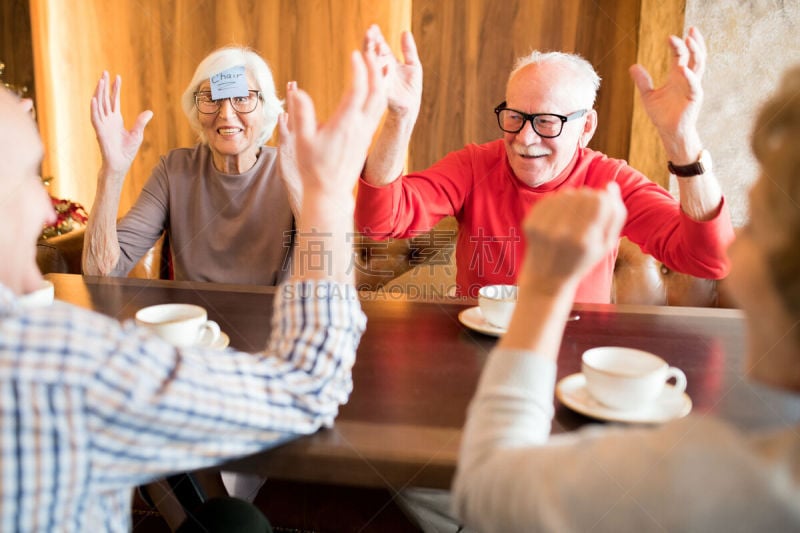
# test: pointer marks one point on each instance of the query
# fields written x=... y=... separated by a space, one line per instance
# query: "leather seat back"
x=404 y=264
x=62 y=254
x=640 y=279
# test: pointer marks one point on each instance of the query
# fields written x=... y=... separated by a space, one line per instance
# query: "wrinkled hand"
x=404 y=79
x=118 y=146
x=287 y=160
x=674 y=107
x=568 y=233
x=329 y=157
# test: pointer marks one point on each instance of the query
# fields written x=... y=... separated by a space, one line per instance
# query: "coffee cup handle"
x=680 y=378
x=209 y=332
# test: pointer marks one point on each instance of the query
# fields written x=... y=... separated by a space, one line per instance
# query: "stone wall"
x=751 y=43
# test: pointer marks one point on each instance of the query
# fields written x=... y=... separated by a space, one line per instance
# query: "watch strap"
x=686 y=171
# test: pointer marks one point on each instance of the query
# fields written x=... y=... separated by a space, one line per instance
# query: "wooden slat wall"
x=156 y=46
x=659 y=19
x=16 y=51
x=467 y=48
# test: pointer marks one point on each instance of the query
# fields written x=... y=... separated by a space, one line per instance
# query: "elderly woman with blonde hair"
x=222 y=203
x=695 y=474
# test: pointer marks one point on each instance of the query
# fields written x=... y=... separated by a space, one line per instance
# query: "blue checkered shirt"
x=90 y=408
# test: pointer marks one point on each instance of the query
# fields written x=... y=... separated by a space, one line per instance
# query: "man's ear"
x=589 y=127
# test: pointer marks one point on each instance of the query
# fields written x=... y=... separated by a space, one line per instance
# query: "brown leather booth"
x=638 y=278
x=62 y=253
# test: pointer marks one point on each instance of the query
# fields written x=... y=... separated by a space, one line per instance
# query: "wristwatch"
x=699 y=167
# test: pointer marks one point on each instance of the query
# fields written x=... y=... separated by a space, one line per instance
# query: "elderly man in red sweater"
x=547 y=120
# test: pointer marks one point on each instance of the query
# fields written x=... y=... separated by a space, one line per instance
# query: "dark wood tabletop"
x=417 y=368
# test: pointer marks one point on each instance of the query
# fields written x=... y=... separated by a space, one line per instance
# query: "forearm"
x=251 y=400
x=100 y=246
x=324 y=248
x=700 y=196
x=508 y=418
x=591 y=479
x=387 y=158
x=539 y=318
x=304 y=313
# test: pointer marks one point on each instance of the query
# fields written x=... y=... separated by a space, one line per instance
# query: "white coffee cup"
x=497 y=304
x=41 y=297
x=626 y=378
x=179 y=324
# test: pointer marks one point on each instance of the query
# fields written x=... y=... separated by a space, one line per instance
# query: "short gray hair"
x=584 y=72
x=225 y=58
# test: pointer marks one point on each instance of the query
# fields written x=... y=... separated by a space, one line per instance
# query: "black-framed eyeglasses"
x=547 y=125
x=241 y=104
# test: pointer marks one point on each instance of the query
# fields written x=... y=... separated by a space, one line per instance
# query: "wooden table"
x=417 y=368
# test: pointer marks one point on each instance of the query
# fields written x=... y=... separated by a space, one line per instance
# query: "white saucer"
x=221 y=343
x=571 y=391
x=473 y=319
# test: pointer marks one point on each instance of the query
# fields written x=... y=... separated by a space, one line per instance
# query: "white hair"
x=225 y=58
x=587 y=78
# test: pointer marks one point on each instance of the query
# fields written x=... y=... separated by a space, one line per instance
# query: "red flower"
x=67 y=214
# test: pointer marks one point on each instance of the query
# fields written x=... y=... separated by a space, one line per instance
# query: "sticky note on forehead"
x=229 y=82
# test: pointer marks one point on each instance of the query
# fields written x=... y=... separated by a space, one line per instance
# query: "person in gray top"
x=226 y=211
x=699 y=473
x=227 y=205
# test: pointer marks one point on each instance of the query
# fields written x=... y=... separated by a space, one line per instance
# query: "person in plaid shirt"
x=90 y=408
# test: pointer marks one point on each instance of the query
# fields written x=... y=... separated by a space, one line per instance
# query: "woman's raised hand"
x=118 y=146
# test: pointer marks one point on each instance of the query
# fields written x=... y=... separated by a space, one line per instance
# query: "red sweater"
x=478 y=187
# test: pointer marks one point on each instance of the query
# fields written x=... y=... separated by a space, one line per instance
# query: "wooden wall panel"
x=16 y=50
x=156 y=46
x=63 y=88
x=462 y=53
x=607 y=37
x=468 y=49
x=658 y=21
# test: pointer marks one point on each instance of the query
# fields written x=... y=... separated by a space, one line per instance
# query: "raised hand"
x=287 y=160
x=404 y=79
x=568 y=233
x=674 y=107
x=330 y=156
x=118 y=146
